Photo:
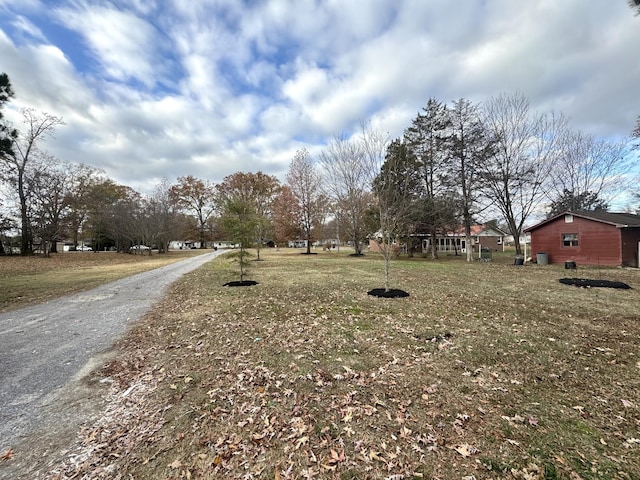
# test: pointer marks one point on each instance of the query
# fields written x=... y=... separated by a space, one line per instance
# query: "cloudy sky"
x=153 y=89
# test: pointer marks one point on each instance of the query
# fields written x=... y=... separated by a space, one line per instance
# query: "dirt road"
x=44 y=348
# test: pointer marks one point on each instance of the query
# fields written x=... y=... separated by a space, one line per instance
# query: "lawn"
x=28 y=280
x=487 y=370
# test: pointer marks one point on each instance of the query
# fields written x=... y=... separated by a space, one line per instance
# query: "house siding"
x=598 y=243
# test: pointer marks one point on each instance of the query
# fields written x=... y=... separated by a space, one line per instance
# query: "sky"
x=158 y=89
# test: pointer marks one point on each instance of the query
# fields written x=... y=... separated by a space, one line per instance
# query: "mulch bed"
x=238 y=283
x=392 y=293
x=586 y=283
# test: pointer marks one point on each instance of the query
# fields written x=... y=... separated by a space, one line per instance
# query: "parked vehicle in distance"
x=140 y=248
x=83 y=248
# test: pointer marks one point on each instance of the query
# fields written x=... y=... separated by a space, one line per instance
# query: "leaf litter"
x=317 y=382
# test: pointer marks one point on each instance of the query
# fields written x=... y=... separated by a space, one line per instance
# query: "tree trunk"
x=387 y=268
x=516 y=241
x=434 y=251
x=26 y=242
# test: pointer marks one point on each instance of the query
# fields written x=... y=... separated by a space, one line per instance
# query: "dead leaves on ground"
x=291 y=384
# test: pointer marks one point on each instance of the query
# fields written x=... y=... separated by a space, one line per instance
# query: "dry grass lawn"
x=488 y=370
x=28 y=280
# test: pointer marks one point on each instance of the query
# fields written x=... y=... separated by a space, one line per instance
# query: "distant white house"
x=297 y=244
x=484 y=236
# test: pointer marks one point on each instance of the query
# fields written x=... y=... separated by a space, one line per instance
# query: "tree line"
x=454 y=164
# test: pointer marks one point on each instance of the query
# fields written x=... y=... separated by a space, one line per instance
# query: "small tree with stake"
x=239 y=221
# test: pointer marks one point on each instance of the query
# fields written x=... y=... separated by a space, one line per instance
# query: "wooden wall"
x=598 y=243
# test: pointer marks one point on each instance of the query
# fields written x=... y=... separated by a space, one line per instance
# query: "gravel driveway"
x=44 y=347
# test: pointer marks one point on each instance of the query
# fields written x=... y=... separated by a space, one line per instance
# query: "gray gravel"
x=44 y=347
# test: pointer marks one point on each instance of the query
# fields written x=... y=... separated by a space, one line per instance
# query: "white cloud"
x=43 y=78
x=125 y=45
x=22 y=24
x=210 y=87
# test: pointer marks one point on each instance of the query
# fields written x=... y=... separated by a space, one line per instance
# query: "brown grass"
x=487 y=370
x=28 y=280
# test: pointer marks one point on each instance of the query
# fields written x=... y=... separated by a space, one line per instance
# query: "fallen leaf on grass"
x=302 y=441
x=348 y=416
x=629 y=442
x=373 y=455
x=7 y=455
x=626 y=403
x=337 y=456
x=332 y=461
x=466 y=450
x=515 y=419
x=175 y=464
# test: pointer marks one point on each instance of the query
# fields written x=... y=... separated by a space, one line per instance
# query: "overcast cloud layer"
x=161 y=89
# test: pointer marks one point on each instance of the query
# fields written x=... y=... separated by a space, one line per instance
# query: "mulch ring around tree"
x=238 y=283
x=586 y=283
x=392 y=293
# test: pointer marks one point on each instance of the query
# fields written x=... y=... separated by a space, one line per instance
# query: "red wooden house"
x=589 y=238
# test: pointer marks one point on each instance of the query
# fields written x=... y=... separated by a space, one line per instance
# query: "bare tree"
x=23 y=161
x=160 y=219
x=523 y=149
x=114 y=212
x=50 y=206
x=198 y=198
x=585 y=165
x=347 y=181
x=82 y=179
x=304 y=181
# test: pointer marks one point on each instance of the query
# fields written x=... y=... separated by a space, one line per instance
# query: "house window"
x=569 y=239
x=568 y=218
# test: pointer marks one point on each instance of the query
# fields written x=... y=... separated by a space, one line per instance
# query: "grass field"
x=28 y=280
x=487 y=370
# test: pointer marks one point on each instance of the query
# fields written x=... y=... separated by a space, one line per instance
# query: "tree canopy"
x=583 y=201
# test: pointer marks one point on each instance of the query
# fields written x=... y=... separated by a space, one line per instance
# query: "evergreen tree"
x=585 y=201
x=7 y=134
x=426 y=138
